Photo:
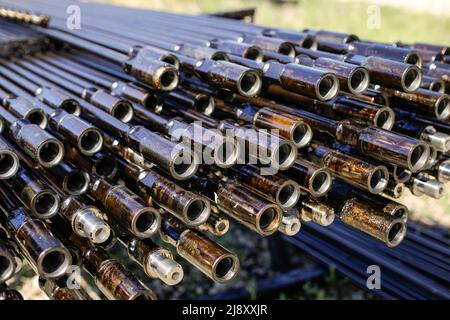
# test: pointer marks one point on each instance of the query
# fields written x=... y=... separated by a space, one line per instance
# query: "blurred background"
x=380 y=20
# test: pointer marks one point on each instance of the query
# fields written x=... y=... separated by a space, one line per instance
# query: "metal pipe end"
x=90 y=141
x=427 y=186
x=418 y=156
x=53 y=263
x=309 y=42
x=396 y=232
x=254 y=53
x=414 y=59
x=76 y=182
x=71 y=106
x=287 y=49
x=359 y=80
x=225 y=268
x=9 y=164
x=411 y=79
x=50 y=153
x=197 y=211
x=437 y=85
x=268 y=220
x=160 y=264
x=301 y=134
x=378 y=180
x=7 y=266
x=319 y=213
x=38 y=117
x=249 y=83
x=87 y=223
x=123 y=110
x=397 y=210
x=442 y=107
x=146 y=222
x=284 y=155
x=438 y=140
x=105 y=167
x=45 y=204
x=153 y=101
x=184 y=163
x=385 y=118
x=167 y=78
x=171 y=59
x=290 y=225
x=395 y=191
x=320 y=182
x=327 y=87
x=221 y=227
x=205 y=104
x=226 y=153
x=444 y=171
x=288 y=195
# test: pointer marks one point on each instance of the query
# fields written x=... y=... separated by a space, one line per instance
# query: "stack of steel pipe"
x=159 y=129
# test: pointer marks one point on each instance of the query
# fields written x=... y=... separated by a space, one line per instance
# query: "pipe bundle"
x=157 y=129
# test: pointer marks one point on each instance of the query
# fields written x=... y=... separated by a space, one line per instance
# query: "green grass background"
x=397 y=23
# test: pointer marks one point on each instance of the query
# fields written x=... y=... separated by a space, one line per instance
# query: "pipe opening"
x=38 y=118
x=320 y=183
x=9 y=164
x=205 y=104
x=123 y=111
x=267 y=220
x=6 y=267
x=254 y=54
x=76 y=182
x=308 y=43
x=50 y=153
x=396 y=234
x=197 y=211
x=418 y=157
x=171 y=60
x=285 y=156
x=153 y=102
x=443 y=109
x=54 y=263
x=184 y=165
x=91 y=141
x=437 y=86
x=384 y=119
x=400 y=213
x=145 y=222
x=105 y=168
x=328 y=87
x=288 y=196
x=250 y=83
x=287 y=49
x=414 y=59
x=46 y=204
x=226 y=154
x=411 y=80
x=359 y=80
x=378 y=180
x=226 y=268
x=301 y=135
x=219 y=56
x=168 y=80
x=71 y=106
